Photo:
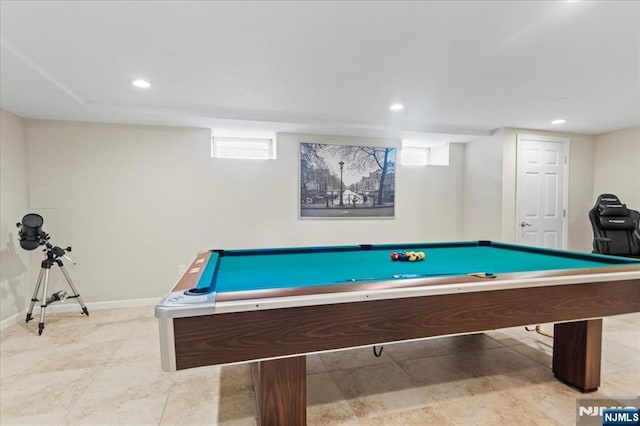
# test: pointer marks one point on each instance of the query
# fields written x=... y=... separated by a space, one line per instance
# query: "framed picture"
x=340 y=181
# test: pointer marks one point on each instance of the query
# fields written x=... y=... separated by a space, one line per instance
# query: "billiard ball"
x=408 y=256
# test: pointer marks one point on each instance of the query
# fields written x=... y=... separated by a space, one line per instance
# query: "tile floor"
x=104 y=370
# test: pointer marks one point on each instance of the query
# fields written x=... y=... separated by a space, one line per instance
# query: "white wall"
x=136 y=202
x=482 y=213
x=580 y=189
x=15 y=285
x=429 y=202
x=490 y=187
x=616 y=165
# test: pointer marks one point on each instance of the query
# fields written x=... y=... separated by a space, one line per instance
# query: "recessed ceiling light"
x=143 y=84
x=559 y=121
x=396 y=107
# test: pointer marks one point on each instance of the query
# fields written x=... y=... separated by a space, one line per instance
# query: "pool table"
x=274 y=306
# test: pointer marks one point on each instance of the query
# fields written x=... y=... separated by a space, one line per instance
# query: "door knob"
x=523 y=224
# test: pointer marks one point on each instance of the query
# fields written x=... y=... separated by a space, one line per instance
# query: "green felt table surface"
x=239 y=270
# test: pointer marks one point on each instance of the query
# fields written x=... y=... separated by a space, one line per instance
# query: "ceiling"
x=460 y=68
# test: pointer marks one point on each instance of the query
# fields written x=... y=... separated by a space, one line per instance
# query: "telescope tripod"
x=52 y=257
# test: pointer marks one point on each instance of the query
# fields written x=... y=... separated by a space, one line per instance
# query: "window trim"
x=221 y=143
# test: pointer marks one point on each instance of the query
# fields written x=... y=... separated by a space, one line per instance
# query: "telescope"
x=31 y=237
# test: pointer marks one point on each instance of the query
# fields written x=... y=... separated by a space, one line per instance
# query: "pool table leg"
x=281 y=391
x=577 y=349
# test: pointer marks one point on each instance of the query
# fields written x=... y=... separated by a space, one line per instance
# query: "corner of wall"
x=14 y=262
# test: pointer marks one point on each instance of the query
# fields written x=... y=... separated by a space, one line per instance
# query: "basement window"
x=414 y=156
x=243 y=148
x=421 y=154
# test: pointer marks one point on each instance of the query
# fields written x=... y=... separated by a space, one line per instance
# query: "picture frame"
x=346 y=181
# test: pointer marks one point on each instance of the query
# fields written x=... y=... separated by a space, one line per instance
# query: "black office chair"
x=615 y=227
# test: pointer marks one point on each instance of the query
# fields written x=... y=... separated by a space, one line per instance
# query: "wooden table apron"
x=287 y=332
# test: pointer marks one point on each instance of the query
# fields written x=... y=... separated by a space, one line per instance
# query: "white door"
x=541 y=191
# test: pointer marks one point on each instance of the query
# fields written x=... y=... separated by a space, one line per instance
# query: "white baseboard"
x=71 y=306
x=12 y=320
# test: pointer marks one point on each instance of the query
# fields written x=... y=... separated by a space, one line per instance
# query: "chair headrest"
x=616 y=223
x=608 y=199
x=613 y=210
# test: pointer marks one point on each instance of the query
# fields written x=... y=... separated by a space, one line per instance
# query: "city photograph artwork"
x=345 y=181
